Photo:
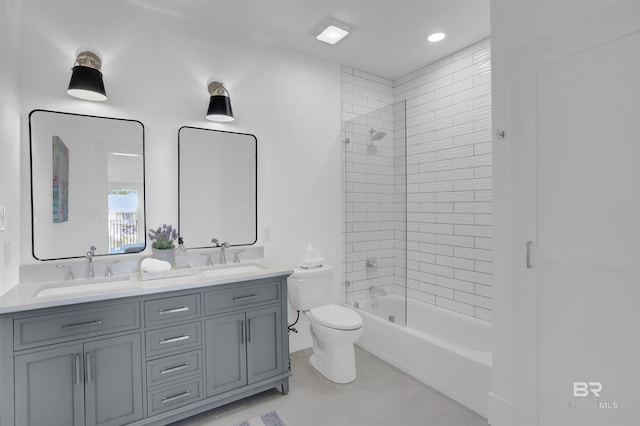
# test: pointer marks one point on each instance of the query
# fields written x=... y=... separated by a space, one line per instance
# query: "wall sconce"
x=86 y=80
x=219 y=104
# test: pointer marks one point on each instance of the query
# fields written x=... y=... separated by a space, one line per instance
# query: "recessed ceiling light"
x=435 y=37
x=334 y=32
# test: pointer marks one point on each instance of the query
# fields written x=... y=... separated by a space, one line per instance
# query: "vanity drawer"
x=69 y=325
x=171 y=309
x=241 y=296
x=173 y=368
x=175 y=338
x=174 y=396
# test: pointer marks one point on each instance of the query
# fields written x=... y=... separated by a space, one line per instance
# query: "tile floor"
x=381 y=396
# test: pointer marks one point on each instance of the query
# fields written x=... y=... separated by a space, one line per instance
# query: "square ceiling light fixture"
x=333 y=31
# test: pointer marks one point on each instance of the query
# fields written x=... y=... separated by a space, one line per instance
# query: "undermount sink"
x=70 y=288
x=221 y=271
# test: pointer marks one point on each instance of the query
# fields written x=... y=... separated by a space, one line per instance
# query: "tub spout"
x=377 y=291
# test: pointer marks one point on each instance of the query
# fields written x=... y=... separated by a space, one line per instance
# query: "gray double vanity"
x=150 y=353
x=126 y=347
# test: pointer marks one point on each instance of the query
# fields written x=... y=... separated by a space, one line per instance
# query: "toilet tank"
x=310 y=288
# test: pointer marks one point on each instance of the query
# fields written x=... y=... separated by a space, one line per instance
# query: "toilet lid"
x=338 y=317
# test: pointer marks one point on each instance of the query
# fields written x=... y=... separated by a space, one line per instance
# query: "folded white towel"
x=150 y=264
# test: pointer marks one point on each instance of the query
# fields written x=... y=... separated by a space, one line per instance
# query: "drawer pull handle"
x=173 y=310
x=176 y=397
x=243 y=298
x=82 y=324
x=174 y=339
x=174 y=369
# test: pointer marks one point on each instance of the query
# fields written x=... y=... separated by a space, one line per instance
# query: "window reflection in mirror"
x=125 y=203
x=87 y=178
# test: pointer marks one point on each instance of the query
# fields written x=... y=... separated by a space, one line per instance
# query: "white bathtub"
x=446 y=350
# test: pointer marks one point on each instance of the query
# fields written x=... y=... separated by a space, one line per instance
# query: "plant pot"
x=168 y=255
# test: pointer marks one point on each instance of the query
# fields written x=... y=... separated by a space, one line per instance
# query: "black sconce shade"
x=86 y=80
x=219 y=103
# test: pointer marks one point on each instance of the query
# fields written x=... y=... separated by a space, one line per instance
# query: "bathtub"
x=446 y=350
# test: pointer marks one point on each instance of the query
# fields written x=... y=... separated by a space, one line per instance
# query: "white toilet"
x=334 y=328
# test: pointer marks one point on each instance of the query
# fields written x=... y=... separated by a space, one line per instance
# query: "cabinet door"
x=226 y=354
x=113 y=381
x=264 y=343
x=49 y=387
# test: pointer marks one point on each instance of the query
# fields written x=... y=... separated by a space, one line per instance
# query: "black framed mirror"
x=87 y=185
x=217 y=184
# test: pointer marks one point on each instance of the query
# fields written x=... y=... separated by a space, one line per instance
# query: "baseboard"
x=499 y=411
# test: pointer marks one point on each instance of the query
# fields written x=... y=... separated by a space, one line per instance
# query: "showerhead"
x=376 y=135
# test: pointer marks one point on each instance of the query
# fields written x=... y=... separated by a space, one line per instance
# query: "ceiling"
x=388 y=37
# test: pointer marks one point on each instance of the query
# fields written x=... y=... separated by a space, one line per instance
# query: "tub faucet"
x=90 y=254
x=223 y=256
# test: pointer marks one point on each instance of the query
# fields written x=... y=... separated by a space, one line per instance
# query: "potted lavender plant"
x=163 y=247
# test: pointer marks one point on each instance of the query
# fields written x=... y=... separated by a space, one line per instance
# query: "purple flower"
x=163 y=237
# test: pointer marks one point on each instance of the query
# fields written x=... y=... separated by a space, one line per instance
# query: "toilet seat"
x=336 y=317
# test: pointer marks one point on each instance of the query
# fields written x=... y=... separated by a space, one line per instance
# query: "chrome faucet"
x=223 y=256
x=90 y=254
x=108 y=272
x=69 y=272
x=236 y=259
x=223 y=246
x=209 y=260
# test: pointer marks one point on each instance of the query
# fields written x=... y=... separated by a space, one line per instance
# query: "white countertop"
x=25 y=296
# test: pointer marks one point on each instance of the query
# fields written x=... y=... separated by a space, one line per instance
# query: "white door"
x=576 y=116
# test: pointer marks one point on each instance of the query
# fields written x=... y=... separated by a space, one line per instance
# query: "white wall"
x=9 y=144
x=156 y=68
x=368 y=168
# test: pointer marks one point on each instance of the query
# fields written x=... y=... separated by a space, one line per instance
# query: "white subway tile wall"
x=369 y=165
x=442 y=113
